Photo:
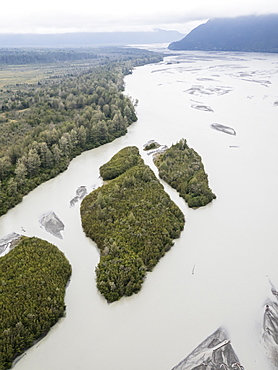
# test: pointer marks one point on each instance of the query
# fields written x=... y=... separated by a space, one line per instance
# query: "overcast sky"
x=33 y=16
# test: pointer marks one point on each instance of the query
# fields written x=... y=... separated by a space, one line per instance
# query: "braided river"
x=220 y=272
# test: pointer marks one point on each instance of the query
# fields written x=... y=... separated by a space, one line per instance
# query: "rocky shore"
x=270 y=329
x=80 y=193
x=52 y=224
x=8 y=243
x=223 y=128
x=214 y=353
x=153 y=147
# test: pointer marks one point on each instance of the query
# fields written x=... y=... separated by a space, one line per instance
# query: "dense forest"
x=33 y=278
x=182 y=168
x=76 y=107
x=133 y=222
x=95 y=56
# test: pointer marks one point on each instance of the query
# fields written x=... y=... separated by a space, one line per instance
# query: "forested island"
x=182 y=168
x=50 y=113
x=133 y=222
x=33 y=279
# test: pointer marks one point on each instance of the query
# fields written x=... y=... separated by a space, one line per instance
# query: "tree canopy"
x=182 y=168
x=33 y=278
x=78 y=107
x=133 y=222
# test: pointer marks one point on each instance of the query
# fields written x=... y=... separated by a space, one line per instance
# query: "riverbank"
x=175 y=309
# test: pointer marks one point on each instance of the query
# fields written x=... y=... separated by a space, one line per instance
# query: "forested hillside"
x=246 y=33
x=133 y=222
x=75 y=107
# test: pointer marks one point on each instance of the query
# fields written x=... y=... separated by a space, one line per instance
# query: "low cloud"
x=119 y=16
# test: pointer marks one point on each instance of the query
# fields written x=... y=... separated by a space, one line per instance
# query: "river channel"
x=219 y=272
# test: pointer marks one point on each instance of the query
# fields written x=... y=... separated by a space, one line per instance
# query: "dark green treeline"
x=33 y=278
x=44 y=126
x=182 y=168
x=133 y=222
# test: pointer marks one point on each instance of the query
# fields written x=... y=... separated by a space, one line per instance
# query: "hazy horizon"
x=121 y=16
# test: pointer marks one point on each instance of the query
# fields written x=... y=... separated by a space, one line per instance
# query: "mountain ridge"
x=245 y=33
x=86 y=39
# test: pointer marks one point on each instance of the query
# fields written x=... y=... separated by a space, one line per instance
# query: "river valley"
x=221 y=270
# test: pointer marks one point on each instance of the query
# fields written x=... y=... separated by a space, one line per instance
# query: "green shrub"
x=120 y=162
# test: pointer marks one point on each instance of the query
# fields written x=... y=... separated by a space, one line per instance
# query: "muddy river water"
x=219 y=272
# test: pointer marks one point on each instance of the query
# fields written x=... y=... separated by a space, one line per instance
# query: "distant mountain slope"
x=87 y=39
x=247 y=33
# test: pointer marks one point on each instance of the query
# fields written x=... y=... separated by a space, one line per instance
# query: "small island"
x=133 y=222
x=151 y=144
x=52 y=224
x=33 y=279
x=223 y=128
x=182 y=168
